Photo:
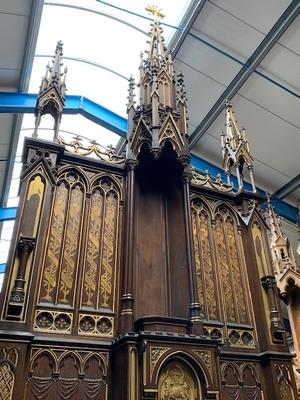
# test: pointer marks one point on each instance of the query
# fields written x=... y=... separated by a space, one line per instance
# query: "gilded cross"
x=155 y=11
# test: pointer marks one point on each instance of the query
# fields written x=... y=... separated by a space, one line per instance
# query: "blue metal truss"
x=25 y=103
x=8 y=213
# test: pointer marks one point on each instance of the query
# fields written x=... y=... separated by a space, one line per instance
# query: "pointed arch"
x=62 y=250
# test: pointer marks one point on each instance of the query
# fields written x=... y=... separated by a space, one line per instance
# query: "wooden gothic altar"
x=135 y=277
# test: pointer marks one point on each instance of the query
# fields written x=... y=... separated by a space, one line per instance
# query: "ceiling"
x=247 y=52
x=225 y=36
x=19 y=21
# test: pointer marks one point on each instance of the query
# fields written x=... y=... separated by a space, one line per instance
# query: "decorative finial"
x=155 y=11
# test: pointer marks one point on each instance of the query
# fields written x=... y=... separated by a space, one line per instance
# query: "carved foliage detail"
x=230 y=267
x=62 y=250
x=205 y=269
x=101 y=250
x=155 y=354
x=7 y=380
x=218 y=257
x=8 y=362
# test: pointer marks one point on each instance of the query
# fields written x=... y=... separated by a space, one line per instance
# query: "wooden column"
x=194 y=304
x=127 y=298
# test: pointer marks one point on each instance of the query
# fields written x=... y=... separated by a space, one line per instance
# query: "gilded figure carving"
x=176 y=383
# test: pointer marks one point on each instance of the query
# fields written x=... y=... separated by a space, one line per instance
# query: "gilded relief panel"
x=231 y=267
x=236 y=272
x=218 y=257
x=51 y=263
x=99 y=278
x=89 y=294
x=177 y=382
x=62 y=254
x=205 y=273
x=71 y=247
x=223 y=265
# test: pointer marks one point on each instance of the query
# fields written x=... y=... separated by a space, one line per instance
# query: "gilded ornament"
x=7 y=380
x=71 y=247
x=155 y=354
x=175 y=383
x=55 y=243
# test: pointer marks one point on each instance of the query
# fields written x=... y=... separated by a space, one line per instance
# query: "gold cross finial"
x=155 y=11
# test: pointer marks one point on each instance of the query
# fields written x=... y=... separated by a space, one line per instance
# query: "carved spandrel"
x=155 y=354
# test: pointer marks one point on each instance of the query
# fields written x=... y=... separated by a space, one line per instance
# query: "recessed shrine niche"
x=178 y=381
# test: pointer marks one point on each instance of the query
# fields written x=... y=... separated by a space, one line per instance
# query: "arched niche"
x=178 y=381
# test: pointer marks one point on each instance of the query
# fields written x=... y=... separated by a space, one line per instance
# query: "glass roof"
x=102 y=45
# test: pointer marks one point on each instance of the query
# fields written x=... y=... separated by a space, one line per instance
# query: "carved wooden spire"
x=51 y=98
x=235 y=149
x=281 y=251
x=161 y=115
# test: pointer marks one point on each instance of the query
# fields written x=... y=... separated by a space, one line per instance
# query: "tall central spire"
x=160 y=115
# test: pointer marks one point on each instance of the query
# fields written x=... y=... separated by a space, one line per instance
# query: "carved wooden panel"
x=204 y=262
x=230 y=267
x=260 y=249
x=218 y=257
x=101 y=249
x=8 y=364
x=7 y=380
x=240 y=382
x=81 y=253
x=67 y=374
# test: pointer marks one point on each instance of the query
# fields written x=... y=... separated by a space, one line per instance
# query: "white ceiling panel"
x=201 y=92
x=208 y=61
x=13 y=31
x=18 y=7
x=275 y=100
x=283 y=66
x=260 y=14
x=290 y=38
x=9 y=76
x=227 y=31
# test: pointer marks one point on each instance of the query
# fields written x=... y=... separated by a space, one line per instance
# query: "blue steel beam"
x=2 y=268
x=25 y=102
x=8 y=213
